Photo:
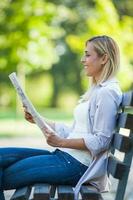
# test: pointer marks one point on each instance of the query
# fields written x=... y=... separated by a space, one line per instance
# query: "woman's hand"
x=28 y=116
x=52 y=139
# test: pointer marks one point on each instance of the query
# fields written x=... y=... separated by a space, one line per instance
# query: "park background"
x=43 y=41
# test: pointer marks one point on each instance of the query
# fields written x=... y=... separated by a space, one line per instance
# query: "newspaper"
x=27 y=103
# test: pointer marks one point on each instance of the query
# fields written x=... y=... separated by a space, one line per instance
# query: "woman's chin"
x=87 y=74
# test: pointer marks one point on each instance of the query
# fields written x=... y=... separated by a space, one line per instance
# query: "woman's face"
x=92 y=62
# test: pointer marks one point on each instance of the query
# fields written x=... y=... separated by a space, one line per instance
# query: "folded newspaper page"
x=27 y=103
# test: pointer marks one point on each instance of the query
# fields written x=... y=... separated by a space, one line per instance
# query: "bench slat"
x=121 y=142
x=123 y=182
x=127 y=99
x=42 y=192
x=21 y=194
x=125 y=121
x=65 y=192
x=90 y=193
x=116 y=168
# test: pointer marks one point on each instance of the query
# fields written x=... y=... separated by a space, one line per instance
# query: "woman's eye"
x=87 y=55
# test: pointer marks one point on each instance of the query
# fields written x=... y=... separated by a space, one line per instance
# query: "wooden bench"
x=119 y=169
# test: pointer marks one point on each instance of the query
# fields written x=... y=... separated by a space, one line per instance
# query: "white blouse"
x=80 y=130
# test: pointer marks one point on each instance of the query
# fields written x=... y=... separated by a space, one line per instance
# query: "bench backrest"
x=122 y=142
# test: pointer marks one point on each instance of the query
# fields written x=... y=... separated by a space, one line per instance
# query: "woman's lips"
x=85 y=67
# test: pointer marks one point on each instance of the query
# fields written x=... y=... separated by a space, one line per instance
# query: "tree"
x=49 y=36
x=27 y=34
x=66 y=73
x=104 y=19
x=28 y=30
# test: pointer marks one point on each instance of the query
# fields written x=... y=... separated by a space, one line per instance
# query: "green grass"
x=9 y=135
x=50 y=113
x=12 y=125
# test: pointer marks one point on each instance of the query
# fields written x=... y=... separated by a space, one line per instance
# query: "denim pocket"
x=66 y=158
x=69 y=160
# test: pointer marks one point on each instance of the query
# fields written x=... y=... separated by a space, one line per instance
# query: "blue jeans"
x=25 y=166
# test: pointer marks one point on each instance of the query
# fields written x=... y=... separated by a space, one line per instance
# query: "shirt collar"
x=109 y=81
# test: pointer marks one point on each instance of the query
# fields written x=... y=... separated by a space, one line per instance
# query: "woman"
x=81 y=153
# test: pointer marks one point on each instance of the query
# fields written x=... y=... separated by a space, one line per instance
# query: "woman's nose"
x=82 y=59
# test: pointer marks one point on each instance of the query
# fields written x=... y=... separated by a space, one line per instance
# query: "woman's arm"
x=107 y=103
x=56 y=141
x=74 y=144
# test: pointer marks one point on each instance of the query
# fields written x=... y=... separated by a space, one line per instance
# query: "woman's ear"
x=104 y=59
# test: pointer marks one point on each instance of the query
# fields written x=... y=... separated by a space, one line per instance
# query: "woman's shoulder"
x=111 y=85
x=110 y=89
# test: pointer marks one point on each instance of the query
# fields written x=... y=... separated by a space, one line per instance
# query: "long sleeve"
x=107 y=102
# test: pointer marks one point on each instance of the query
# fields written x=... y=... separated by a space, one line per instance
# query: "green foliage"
x=124 y=7
x=48 y=36
x=103 y=19
x=28 y=30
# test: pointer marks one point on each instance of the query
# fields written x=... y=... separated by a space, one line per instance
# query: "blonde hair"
x=105 y=45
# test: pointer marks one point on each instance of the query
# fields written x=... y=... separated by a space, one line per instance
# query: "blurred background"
x=43 y=41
